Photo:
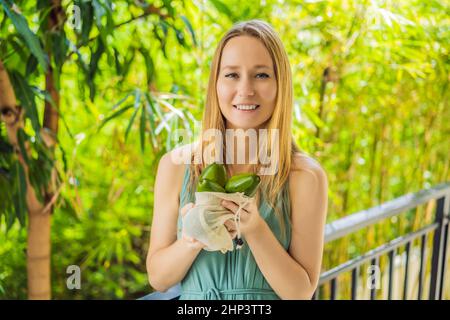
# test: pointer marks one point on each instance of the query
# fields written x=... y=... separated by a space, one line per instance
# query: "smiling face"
x=246 y=84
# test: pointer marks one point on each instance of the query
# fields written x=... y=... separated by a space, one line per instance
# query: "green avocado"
x=209 y=186
x=245 y=182
x=215 y=172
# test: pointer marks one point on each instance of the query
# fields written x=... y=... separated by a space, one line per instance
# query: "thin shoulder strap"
x=183 y=194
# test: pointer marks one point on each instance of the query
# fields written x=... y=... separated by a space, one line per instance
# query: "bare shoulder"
x=172 y=166
x=306 y=170
x=308 y=190
x=306 y=163
x=178 y=157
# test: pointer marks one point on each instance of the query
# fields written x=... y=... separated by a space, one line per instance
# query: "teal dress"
x=235 y=274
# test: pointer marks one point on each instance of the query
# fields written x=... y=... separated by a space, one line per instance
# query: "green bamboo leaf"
x=80 y=60
x=93 y=66
x=142 y=129
x=156 y=108
x=88 y=19
x=180 y=36
x=128 y=59
x=101 y=9
x=150 y=113
x=99 y=12
x=31 y=65
x=150 y=68
x=164 y=26
x=63 y=156
x=26 y=97
x=137 y=99
x=222 y=7
x=59 y=47
x=22 y=137
x=44 y=94
x=19 y=198
x=32 y=41
x=117 y=104
x=130 y=123
x=117 y=62
x=18 y=47
x=191 y=30
x=11 y=217
x=114 y=115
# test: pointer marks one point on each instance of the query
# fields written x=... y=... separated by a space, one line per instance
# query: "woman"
x=250 y=87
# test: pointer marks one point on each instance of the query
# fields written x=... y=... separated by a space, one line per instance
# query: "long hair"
x=281 y=119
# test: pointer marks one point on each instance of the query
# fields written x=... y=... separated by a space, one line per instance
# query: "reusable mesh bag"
x=205 y=221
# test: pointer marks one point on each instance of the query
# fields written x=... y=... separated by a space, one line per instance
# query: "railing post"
x=438 y=247
x=446 y=225
x=444 y=258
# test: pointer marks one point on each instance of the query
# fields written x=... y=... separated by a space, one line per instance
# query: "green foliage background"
x=371 y=104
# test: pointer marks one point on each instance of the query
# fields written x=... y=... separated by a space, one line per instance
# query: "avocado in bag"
x=209 y=186
x=215 y=172
x=245 y=182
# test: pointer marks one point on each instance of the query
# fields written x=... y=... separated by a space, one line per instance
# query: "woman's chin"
x=242 y=125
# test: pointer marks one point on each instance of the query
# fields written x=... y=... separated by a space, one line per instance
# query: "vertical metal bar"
x=391 y=273
x=435 y=281
x=423 y=244
x=405 y=283
x=333 y=284
x=355 y=274
x=374 y=263
x=444 y=260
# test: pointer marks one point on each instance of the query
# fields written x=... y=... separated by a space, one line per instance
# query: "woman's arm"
x=295 y=274
x=168 y=259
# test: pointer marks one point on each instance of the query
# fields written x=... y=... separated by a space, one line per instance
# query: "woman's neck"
x=239 y=159
x=242 y=157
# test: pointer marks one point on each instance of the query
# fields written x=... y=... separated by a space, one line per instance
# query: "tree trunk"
x=38 y=242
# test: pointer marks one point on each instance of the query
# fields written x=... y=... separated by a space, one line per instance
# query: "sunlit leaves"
x=155 y=115
x=26 y=97
x=23 y=29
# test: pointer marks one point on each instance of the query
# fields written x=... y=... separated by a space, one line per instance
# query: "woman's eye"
x=230 y=75
x=259 y=75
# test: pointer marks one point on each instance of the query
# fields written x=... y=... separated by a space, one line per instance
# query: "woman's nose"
x=246 y=88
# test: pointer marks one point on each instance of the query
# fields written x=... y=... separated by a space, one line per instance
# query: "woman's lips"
x=248 y=111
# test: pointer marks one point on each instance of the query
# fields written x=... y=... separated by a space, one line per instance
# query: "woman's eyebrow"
x=258 y=66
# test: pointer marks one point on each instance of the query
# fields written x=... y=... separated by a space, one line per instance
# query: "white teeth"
x=246 y=106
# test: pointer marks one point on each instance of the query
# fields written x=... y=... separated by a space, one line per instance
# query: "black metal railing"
x=355 y=222
x=360 y=220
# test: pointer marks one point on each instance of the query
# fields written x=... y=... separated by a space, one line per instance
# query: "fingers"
x=233 y=207
x=231 y=228
x=230 y=205
x=186 y=208
x=230 y=225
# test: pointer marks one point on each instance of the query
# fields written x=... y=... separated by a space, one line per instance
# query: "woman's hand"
x=250 y=218
x=191 y=242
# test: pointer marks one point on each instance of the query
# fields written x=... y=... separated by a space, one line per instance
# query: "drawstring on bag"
x=237 y=220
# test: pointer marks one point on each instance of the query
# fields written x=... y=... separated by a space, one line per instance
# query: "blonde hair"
x=281 y=118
